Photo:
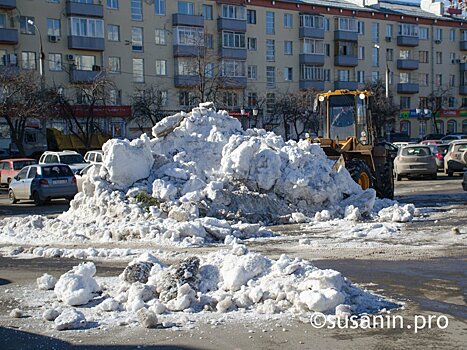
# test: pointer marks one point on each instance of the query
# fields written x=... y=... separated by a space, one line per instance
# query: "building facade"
x=257 y=49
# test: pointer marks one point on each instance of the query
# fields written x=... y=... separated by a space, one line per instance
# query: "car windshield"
x=72 y=159
x=22 y=163
x=416 y=151
x=56 y=171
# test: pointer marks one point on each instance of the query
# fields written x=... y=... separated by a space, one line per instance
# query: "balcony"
x=346 y=61
x=8 y=36
x=86 y=43
x=311 y=84
x=463 y=67
x=463 y=45
x=345 y=35
x=181 y=81
x=231 y=24
x=312 y=59
x=403 y=40
x=81 y=9
x=7 y=4
x=189 y=51
x=407 y=88
x=83 y=76
x=306 y=32
x=349 y=85
x=463 y=90
x=238 y=54
x=233 y=82
x=407 y=64
x=187 y=20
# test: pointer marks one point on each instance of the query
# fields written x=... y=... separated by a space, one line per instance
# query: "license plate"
x=57 y=182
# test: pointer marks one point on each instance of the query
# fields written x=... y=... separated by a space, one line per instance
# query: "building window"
x=404 y=54
x=288 y=47
x=361 y=27
x=423 y=56
x=404 y=78
x=361 y=76
x=189 y=36
x=347 y=24
x=252 y=99
x=233 y=40
x=423 y=34
x=405 y=102
x=161 y=37
x=439 y=57
x=424 y=79
x=405 y=127
x=159 y=7
x=452 y=57
x=438 y=34
x=312 y=73
x=161 y=67
x=209 y=41
x=313 y=46
x=2 y=20
x=53 y=27
x=422 y=102
x=115 y=97
x=251 y=16
x=374 y=76
x=113 y=32
x=207 y=12
x=230 y=99
x=270 y=22
x=451 y=127
x=114 y=65
x=55 y=62
x=233 y=12
x=89 y=27
x=389 y=31
x=327 y=49
x=389 y=54
x=406 y=29
x=452 y=35
x=452 y=102
x=112 y=4
x=452 y=80
x=136 y=10
x=85 y=62
x=375 y=32
x=270 y=50
x=438 y=79
x=186 y=8
x=343 y=75
x=252 y=44
x=361 y=52
x=233 y=68
x=311 y=21
x=137 y=39
x=288 y=20
x=25 y=25
x=327 y=24
x=346 y=48
x=270 y=103
x=209 y=70
x=186 y=66
x=138 y=70
x=288 y=73
x=28 y=60
x=252 y=72
x=271 y=77
x=186 y=98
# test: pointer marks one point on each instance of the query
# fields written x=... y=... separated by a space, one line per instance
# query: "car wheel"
x=37 y=198
x=450 y=173
x=398 y=177
x=11 y=197
x=8 y=181
x=434 y=176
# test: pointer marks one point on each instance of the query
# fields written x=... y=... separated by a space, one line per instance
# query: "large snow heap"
x=198 y=171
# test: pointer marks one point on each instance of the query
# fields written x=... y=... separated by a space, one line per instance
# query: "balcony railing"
x=81 y=9
x=8 y=36
x=463 y=90
x=233 y=82
x=86 y=43
x=350 y=85
x=311 y=59
x=407 y=64
x=345 y=35
x=463 y=45
x=238 y=54
x=407 y=88
x=7 y=4
x=186 y=80
x=404 y=40
x=346 y=61
x=83 y=76
x=307 y=32
x=231 y=24
x=187 y=20
x=311 y=84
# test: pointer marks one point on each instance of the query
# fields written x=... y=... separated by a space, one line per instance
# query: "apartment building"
x=261 y=49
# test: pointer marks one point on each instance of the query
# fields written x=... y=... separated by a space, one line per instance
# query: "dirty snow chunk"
x=50 y=314
x=352 y=213
x=70 y=319
x=219 y=229
x=158 y=308
x=168 y=124
x=77 y=286
x=109 y=304
x=147 y=319
x=128 y=161
x=322 y=300
x=397 y=213
x=137 y=272
x=163 y=190
x=46 y=282
x=236 y=272
x=16 y=313
x=322 y=279
x=324 y=215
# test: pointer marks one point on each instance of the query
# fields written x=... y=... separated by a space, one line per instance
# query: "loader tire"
x=360 y=173
x=385 y=187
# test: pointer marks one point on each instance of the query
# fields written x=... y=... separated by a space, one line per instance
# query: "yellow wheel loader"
x=349 y=138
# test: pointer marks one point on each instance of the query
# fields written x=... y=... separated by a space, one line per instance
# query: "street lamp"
x=42 y=55
x=255 y=114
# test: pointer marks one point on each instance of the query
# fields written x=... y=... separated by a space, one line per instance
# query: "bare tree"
x=23 y=97
x=436 y=101
x=296 y=111
x=147 y=107
x=79 y=112
x=383 y=110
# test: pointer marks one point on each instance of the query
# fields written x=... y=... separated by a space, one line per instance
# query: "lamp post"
x=242 y=112
x=255 y=114
x=42 y=55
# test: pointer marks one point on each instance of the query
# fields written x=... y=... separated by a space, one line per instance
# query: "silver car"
x=43 y=182
x=414 y=161
x=453 y=160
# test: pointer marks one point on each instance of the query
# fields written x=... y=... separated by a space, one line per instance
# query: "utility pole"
x=42 y=55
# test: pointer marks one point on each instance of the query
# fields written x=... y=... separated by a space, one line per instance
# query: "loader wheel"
x=360 y=173
x=386 y=182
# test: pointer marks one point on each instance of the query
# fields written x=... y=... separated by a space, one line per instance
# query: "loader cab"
x=344 y=114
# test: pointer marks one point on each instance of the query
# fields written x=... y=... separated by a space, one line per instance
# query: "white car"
x=73 y=159
x=94 y=156
x=83 y=174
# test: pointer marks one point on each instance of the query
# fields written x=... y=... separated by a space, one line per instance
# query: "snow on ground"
x=199 y=180
x=242 y=283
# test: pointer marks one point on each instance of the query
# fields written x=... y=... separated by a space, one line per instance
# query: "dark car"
x=431 y=137
x=439 y=155
x=398 y=137
x=392 y=149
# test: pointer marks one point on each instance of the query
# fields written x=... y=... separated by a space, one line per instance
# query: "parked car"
x=403 y=144
x=71 y=158
x=398 y=137
x=415 y=160
x=4 y=153
x=464 y=181
x=431 y=137
x=453 y=137
x=43 y=182
x=9 y=168
x=392 y=149
x=453 y=162
x=93 y=156
x=439 y=156
x=431 y=142
x=83 y=174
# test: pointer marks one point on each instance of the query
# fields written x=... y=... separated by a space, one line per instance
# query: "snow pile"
x=77 y=287
x=224 y=281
